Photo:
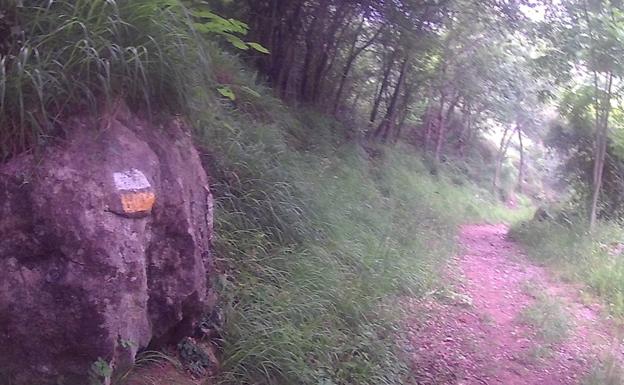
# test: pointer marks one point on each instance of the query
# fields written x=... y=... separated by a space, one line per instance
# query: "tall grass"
x=64 y=57
x=593 y=259
x=315 y=238
x=547 y=315
x=318 y=239
x=607 y=372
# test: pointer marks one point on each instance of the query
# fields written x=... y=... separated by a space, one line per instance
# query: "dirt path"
x=505 y=321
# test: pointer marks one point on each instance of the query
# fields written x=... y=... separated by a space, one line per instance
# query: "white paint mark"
x=130 y=180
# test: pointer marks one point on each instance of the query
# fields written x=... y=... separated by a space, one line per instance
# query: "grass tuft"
x=154 y=368
x=608 y=372
x=65 y=57
x=547 y=315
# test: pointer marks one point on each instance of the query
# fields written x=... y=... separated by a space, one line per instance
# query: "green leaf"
x=240 y=27
x=236 y=42
x=203 y=28
x=250 y=91
x=227 y=92
x=258 y=47
x=204 y=13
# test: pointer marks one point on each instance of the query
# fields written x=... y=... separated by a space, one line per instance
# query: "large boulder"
x=104 y=248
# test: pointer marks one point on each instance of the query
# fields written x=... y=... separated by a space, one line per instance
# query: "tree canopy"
x=446 y=73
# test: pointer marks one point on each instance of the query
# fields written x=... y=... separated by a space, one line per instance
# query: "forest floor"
x=505 y=320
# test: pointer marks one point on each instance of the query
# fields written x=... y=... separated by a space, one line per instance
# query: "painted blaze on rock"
x=136 y=196
x=81 y=283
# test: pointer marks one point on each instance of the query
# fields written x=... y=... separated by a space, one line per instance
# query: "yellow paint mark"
x=137 y=202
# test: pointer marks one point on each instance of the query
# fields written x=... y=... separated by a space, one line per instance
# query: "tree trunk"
x=441 y=134
x=407 y=99
x=311 y=43
x=384 y=84
x=284 y=66
x=521 y=165
x=466 y=132
x=354 y=52
x=328 y=42
x=389 y=120
x=500 y=157
x=285 y=73
x=276 y=25
x=603 y=109
x=428 y=119
x=442 y=126
x=343 y=79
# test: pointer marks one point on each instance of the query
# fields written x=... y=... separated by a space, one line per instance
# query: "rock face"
x=104 y=249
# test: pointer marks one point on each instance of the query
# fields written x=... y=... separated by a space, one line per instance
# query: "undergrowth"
x=594 y=259
x=316 y=237
x=153 y=368
x=547 y=316
x=607 y=372
x=64 y=57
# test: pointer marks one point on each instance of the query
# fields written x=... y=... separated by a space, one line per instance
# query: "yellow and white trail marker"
x=136 y=195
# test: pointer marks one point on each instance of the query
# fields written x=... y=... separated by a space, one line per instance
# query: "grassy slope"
x=590 y=259
x=578 y=256
x=316 y=239
x=570 y=250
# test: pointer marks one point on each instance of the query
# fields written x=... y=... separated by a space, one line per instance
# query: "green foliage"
x=152 y=368
x=573 y=137
x=193 y=357
x=607 y=372
x=590 y=37
x=100 y=372
x=77 y=56
x=258 y=47
x=317 y=236
x=548 y=317
x=72 y=57
x=230 y=29
x=592 y=259
x=318 y=239
x=227 y=92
